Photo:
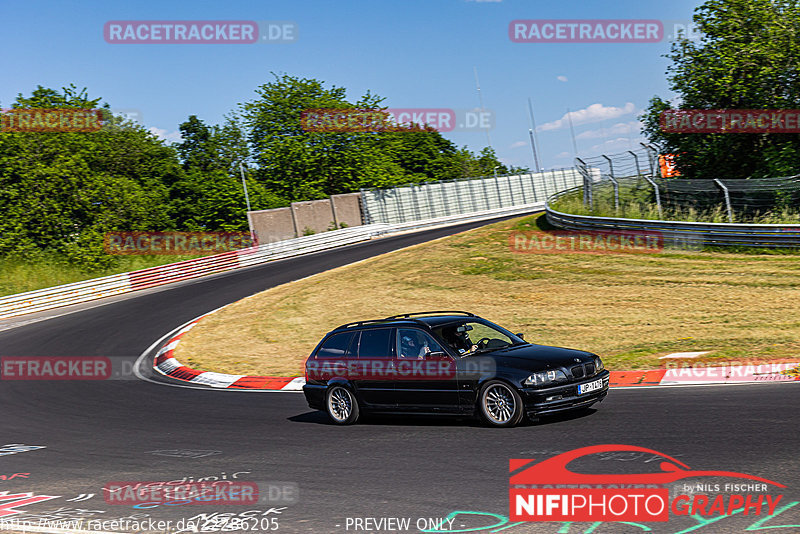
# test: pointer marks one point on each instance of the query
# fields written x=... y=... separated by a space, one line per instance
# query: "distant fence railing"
x=686 y=235
x=630 y=182
x=429 y=200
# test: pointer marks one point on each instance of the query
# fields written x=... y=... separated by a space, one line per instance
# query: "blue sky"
x=416 y=53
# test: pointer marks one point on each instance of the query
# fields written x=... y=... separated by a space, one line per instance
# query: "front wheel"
x=499 y=404
x=341 y=405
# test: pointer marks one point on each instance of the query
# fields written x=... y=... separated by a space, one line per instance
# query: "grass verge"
x=18 y=276
x=629 y=308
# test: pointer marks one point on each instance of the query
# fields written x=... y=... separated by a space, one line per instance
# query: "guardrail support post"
x=400 y=210
x=430 y=199
x=522 y=189
x=614 y=181
x=649 y=179
x=727 y=198
x=499 y=195
x=459 y=191
x=587 y=183
x=652 y=157
x=510 y=189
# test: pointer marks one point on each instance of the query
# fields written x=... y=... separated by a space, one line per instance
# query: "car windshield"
x=469 y=337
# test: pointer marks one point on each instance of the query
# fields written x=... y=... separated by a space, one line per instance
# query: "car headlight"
x=598 y=363
x=545 y=377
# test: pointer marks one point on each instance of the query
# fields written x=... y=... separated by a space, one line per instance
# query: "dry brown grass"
x=628 y=308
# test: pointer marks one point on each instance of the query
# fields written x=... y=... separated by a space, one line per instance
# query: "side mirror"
x=436 y=356
x=520 y=335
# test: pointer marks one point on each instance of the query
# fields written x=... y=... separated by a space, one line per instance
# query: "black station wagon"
x=447 y=362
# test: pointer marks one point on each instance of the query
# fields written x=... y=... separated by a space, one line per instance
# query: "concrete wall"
x=347 y=208
x=313 y=216
x=272 y=225
x=310 y=216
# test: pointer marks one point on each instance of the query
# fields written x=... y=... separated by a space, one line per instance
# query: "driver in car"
x=458 y=338
x=412 y=345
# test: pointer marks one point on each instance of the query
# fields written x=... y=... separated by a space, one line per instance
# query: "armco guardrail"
x=54 y=297
x=683 y=234
x=79 y=292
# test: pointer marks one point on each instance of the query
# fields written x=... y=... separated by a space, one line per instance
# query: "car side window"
x=335 y=346
x=415 y=344
x=376 y=343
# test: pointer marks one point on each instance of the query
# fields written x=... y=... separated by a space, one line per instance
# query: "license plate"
x=591 y=386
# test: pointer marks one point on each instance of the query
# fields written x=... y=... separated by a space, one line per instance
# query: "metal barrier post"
x=417 y=214
x=400 y=211
x=365 y=216
x=522 y=189
x=485 y=191
x=533 y=187
x=472 y=194
x=587 y=183
x=458 y=196
x=497 y=186
x=510 y=189
x=727 y=198
x=652 y=156
x=614 y=181
x=430 y=199
x=650 y=180
x=445 y=206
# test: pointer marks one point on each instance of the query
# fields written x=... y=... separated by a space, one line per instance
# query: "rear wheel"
x=341 y=405
x=499 y=404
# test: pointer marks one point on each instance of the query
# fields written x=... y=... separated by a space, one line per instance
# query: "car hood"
x=539 y=357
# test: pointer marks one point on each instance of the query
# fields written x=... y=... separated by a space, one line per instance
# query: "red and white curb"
x=166 y=364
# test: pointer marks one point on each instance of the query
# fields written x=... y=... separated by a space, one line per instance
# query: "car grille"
x=579 y=371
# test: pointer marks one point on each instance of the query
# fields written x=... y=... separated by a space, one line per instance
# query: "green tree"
x=301 y=165
x=748 y=58
x=61 y=191
x=210 y=195
x=297 y=164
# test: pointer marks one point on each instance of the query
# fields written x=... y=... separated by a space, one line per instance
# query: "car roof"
x=424 y=319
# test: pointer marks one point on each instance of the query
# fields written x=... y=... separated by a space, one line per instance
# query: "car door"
x=426 y=379
x=374 y=379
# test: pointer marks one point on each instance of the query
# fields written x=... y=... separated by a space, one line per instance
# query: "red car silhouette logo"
x=554 y=470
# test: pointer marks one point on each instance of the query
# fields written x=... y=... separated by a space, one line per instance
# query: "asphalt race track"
x=94 y=433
